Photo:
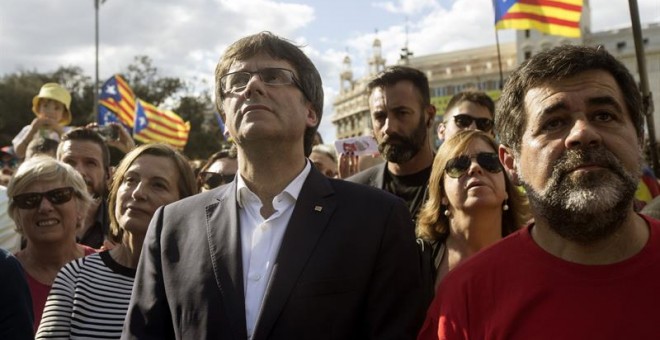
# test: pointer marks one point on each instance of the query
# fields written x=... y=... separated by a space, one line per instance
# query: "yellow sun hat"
x=56 y=92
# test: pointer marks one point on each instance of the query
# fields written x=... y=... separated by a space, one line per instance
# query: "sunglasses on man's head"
x=464 y=121
x=458 y=166
x=32 y=200
x=212 y=180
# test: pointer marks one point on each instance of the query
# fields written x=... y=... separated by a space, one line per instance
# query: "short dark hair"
x=556 y=64
x=229 y=152
x=311 y=84
x=394 y=74
x=40 y=146
x=476 y=97
x=88 y=135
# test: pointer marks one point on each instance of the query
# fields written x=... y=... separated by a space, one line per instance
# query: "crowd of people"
x=523 y=224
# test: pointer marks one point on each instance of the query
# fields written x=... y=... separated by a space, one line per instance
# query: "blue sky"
x=185 y=38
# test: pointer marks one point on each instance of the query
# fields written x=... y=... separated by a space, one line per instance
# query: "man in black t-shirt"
x=401 y=115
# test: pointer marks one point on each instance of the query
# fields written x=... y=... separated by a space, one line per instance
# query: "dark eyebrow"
x=605 y=100
x=553 y=108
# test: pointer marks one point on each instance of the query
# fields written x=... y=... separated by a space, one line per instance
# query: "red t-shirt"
x=39 y=292
x=516 y=290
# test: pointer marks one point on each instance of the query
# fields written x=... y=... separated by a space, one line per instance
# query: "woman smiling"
x=48 y=201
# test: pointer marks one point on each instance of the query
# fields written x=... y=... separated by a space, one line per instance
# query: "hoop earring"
x=505 y=207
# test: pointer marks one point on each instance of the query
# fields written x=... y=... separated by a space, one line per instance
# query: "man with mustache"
x=571 y=126
x=401 y=115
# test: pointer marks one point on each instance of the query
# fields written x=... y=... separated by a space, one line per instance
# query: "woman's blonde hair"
x=186 y=182
x=47 y=169
x=432 y=224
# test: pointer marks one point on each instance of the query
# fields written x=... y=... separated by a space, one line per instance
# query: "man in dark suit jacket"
x=282 y=252
x=401 y=115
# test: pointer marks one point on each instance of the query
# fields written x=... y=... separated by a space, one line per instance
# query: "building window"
x=527 y=33
x=528 y=54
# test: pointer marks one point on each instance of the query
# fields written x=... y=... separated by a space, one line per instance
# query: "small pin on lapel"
x=318 y=208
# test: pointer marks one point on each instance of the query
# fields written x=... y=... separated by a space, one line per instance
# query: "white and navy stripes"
x=89 y=299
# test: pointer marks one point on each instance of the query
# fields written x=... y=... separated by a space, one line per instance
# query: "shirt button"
x=254 y=277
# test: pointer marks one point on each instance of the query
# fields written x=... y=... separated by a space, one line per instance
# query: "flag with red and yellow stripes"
x=155 y=125
x=555 y=17
x=118 y=97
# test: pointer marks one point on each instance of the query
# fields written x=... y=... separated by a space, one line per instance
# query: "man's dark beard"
x=405 y=148
x=588 y=208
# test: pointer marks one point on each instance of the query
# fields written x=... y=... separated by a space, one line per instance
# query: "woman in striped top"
x=90 y=296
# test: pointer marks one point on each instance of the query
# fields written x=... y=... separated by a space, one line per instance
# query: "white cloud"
x=408 y=7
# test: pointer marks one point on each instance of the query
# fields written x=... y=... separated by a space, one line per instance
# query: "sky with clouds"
x=185 y=38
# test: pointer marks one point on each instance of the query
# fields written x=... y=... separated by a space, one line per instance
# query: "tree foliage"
x=18 y=89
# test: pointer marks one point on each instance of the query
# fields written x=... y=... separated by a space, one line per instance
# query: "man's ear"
x=441 y=131
x=430 y=115
x=508 y=161
x=312 y=117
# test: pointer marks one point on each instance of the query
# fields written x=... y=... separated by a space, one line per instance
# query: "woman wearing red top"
x=48 y=201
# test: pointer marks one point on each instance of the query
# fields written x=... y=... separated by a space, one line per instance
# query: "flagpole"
x=647 y=98
x=499 y=58
x=96 y=59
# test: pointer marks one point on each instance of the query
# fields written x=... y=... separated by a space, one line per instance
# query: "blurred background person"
x=10 y=239
x=220 y=168
x=324 y=159
x=88 y=153
x=90 y=296
x=472 y=203
x=48 y=202
x=42 y=146
x=8 y=163
x=52 y=106
x=467 y=110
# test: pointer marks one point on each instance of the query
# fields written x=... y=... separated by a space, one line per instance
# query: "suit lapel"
x=222 y=228
x=309 y=219
x=378 y=178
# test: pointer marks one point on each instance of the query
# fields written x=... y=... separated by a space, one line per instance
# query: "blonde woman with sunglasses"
x=48 y=201
x=471 y=204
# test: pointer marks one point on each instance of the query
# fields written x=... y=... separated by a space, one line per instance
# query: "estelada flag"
x=117 y=97
x=555 y=17
x=155 y=125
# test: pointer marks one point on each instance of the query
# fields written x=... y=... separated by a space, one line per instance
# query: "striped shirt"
x=89 y=299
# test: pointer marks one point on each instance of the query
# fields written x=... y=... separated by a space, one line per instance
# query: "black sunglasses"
x=32 y=200
x=456 y=167
x=464 y=121
x=212 y=180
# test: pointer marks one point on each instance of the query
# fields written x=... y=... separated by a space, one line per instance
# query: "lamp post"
x=95 y=109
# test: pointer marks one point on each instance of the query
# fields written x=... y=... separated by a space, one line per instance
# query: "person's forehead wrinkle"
x=605 y=100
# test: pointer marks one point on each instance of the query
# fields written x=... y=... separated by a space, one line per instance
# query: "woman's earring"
x=447 y=212
x=505 y=207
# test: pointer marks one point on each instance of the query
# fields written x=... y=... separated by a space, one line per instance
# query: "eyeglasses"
x=456 y=167
x=237 y=81
x=212 y=180
x=464 y=121
x=32 y=200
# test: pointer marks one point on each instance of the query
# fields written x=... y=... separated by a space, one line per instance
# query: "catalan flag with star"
x=155 y=125
x=116 y=102
x=554 y=17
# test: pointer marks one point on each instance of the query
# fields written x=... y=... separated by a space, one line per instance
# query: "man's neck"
x=422 y=160
x=267 y=174
x=627 y=241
